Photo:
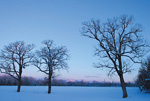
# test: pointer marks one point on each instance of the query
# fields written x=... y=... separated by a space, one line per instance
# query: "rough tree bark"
x=123 y=85
x=120 y=73
x=49 y=83
x=19 y=78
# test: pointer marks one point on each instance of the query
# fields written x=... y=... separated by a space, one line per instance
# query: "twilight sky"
x=33 y=21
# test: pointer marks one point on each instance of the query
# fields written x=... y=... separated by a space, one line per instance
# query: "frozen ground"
x=39 y=93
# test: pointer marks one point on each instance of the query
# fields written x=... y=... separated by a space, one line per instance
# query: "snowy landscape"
x=74 y=50
x=66 y=93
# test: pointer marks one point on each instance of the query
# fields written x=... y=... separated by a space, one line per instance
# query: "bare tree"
x=119 y=42
x=50 y=58
x=14 y=58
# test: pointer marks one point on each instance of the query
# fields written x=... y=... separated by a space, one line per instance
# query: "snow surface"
x=39 y=93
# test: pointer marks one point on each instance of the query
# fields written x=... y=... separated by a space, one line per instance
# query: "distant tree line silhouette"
x=30 y=81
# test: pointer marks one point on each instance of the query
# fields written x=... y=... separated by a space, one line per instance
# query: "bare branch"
x=117 y=38
x=14 y=57
x=50 y=57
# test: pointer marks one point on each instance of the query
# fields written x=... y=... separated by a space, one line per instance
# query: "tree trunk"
x=120 y=73
x=19 y=78
x=19 y=85
x=49 y=84
x=123 y=85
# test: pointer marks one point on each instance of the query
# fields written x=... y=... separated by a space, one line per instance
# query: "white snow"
x=39 y=93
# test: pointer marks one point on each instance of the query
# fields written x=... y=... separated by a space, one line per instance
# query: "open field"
x=39 y=93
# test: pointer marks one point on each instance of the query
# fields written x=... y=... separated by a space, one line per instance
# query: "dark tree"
x=50 y=58
x=143 y=79
x=119 y=42
x=14 y=58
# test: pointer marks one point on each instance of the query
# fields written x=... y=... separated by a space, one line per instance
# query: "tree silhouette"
x=119 y=42
x=14 y=58
x=50 y=58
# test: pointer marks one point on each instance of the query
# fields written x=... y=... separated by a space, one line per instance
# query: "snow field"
x=39 y=93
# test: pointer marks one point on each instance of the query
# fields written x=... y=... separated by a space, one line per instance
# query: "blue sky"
x=33 y=21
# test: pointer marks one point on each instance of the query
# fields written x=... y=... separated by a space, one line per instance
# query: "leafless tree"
x=14 y=58
x=50 y=58
x=119 y=42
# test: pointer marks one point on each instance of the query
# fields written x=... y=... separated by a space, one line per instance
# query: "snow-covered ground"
x=39 y=93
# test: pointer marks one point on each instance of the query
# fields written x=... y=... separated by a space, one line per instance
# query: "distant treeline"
x=30 y=81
